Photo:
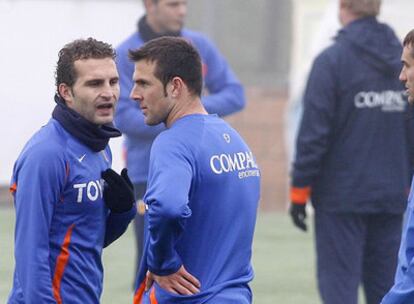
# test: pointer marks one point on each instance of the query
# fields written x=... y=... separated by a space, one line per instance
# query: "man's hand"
x=298 y=214
x=118 y=191
x=181 y=282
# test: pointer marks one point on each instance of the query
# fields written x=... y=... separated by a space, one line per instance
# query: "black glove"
x=118 y=191
x=298 y=214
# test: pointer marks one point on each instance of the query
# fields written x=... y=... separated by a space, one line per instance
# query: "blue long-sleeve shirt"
x=202 y=197
x=402 y=292
x=224 y=96
x=62 y=222
x=354 y=140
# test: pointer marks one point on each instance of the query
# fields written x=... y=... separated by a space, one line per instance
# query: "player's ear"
x=66 y=93
x=175 y=87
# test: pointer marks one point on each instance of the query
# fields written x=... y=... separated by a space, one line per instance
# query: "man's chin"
x=151 y=122
x=103 y=120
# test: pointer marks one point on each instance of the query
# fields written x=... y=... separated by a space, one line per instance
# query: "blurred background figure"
x=352 y=157
x=223 y=93
x=322 y=38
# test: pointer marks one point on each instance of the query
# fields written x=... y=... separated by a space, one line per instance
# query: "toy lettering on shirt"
x=92 y=189
x=242 y=162
x=388 y=101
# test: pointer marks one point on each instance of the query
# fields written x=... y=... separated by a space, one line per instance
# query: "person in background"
x=65 y=213
x=328 y=26
x=223 y=94
x=352 y=157
x=203 y=186
x=403 y=289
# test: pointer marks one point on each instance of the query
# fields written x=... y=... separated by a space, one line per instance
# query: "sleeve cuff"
x=165 y=272
x=300 y=195
x=127 y=215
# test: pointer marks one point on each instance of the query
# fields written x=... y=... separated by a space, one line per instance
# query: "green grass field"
x=283 y=259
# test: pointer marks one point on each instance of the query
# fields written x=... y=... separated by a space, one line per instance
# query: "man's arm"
x=403 y=289
x=225 y=92
x=117 y=224
x=39 y=182
x=167 y=198
x=314 y=135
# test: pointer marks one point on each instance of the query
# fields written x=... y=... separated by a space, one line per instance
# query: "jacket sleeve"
x=316 y=125
x=128 y=116
x=167 y=199
x=39 y=180
x=403 y=289
x=117 y=224
x=225 y=92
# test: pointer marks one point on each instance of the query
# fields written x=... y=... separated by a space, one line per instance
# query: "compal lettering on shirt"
x=92 y=189
x=241 y=161
x=389 y=101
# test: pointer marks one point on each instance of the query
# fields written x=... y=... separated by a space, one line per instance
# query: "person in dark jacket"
x=403 y=289
x=223 y=93
x=352 y=157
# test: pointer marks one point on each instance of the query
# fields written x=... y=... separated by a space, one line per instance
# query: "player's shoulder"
x=47 y=144
x=184 y=131
x=187 y=33
x=199 y=39
x=169 y=137
x=329 y=57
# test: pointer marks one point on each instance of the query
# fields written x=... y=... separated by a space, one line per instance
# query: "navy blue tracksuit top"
x=353 y=144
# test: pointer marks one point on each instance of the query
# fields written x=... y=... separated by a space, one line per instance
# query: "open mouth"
x=105 y=109
x=105 y=106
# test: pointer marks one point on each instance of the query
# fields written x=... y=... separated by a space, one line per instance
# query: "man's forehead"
x=94 y=66
x=94 y=62
x=145 y=63
x=145 y=66
x=407 y=52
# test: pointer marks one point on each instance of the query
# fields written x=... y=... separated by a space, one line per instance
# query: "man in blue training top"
x=403 y=289
x=203 y=186
x=65 y=213
x=223 y=94
x=353 y=157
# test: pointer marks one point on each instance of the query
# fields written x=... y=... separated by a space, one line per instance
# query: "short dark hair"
x=153 y=1
x=409 y=41
x=78 y=50
x=174 y=57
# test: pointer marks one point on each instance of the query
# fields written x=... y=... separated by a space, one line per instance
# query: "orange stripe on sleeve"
x=140 y=292
x=153 y=299
x=13 y=188
x=300 y=195
x=61 y=263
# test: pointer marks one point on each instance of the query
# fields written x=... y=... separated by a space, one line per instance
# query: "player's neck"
x=183 y=108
